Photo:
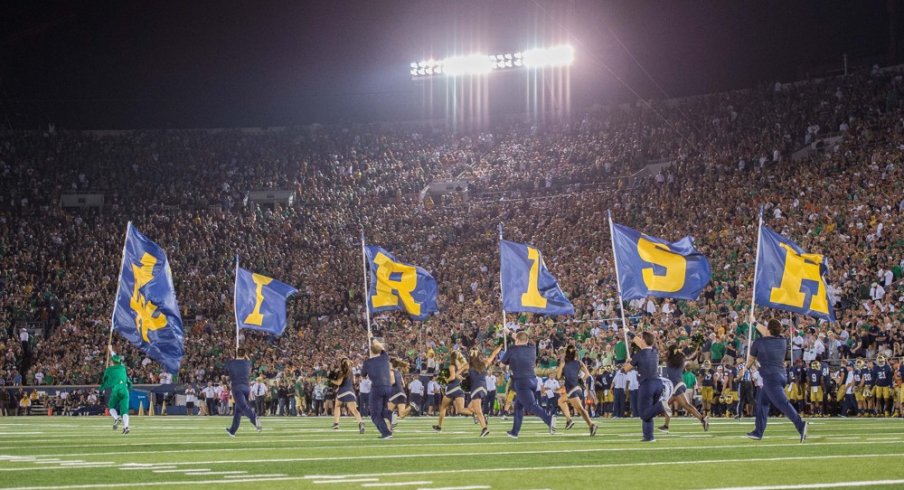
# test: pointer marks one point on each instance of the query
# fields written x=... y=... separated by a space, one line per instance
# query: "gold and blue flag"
x=527 y=284
x=790 y=279
x=650 y=266
x=260 y=302
x=146 y=312
x=396 y=286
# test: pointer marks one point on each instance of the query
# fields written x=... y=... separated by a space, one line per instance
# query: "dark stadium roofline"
x=423 y=122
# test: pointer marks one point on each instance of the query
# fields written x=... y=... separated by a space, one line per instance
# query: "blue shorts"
x=680 y=390
x=576 y=392
x=454 y=391
x=417 y=400
x=479 y=394
x=346 y=397
x=398 y=398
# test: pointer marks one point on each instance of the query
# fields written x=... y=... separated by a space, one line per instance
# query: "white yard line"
x=397 y=484
x=868 y=483
x=351 y=480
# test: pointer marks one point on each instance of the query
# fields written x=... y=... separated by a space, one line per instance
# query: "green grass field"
x=84 y=452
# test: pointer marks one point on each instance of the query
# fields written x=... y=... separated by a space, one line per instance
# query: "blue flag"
x=260 y=302
x=527 y=284
x=790 y=279
x=146 y=312
x=395 y=286
x=650 y=266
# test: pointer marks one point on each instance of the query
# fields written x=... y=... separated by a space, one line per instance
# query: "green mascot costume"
x=117 y=381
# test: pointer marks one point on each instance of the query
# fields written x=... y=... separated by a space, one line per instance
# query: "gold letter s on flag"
x=674 y=264
x=800 y=267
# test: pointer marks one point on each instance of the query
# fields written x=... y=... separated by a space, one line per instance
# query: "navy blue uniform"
x=345 y=392
x=239 y=371
x=521 y=360
x=770 y=352
x=478 y=382
x=646 y=363
x=398 y=391
x=676 y=376
x=572 y=374
x=377 y=370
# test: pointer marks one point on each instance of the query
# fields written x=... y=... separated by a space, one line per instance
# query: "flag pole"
x=366 y=292
x=235 y=308
x=118 y=284
x=501 y=295
x=621 y=303
x=756 y=266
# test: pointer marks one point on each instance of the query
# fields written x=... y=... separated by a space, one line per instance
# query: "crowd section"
x=186 y=190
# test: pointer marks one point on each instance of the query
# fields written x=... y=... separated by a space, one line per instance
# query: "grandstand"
x=822 y=156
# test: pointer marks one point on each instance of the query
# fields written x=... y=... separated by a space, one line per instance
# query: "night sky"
x=259 y=63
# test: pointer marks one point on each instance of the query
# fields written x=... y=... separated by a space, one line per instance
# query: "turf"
x=172 y=452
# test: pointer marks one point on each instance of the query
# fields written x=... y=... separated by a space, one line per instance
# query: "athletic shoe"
x=125 y=431
x=393 y=419
x=705 y=423
x=509 y=433
x=437 y=428
x=335 y=426
x=552 y=426
x=751 y=435
x=569 y=424
x=116 y=423
x=653 y=439
x=593 y=428
x=803 y=433
x=360 y=427
x=386 y=437
x=231 y=434
x=664 y=429
x=258 y=427
x=484 y=432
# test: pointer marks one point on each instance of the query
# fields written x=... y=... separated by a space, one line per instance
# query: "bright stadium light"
x=481 y=64
x=555 y=56
x=474 y=64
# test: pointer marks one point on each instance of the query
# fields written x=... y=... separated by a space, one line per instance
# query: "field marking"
x=432 y=472
x=469 y=487
x=868 y=483
x=397 y=484
x=268 y=475
x=181 y=471
x=145 y=468
x=352 y=480
x=617 y=465
x=494 y=453
x=208 y=472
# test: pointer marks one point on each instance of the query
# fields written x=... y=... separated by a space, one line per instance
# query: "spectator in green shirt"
x=718 y=351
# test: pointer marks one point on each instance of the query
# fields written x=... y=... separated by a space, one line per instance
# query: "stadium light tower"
x=479 y=64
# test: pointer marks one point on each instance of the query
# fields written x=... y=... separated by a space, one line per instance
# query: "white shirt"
x=416 y=387
x=23 y=336
x=877 y=292
x=166 y=378
x=539 y=384
x=258 y=388
x=365 y=385
x=491 y=382
x=432 y=388
x=209 y=392
x=620 y=381
x=550 y=386
x=633 y=383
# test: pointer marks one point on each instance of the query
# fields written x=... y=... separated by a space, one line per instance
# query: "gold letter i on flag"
x=532 y=297
x=255 y=317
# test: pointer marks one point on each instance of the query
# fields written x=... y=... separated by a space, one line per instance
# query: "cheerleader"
x=454 y=395
x=477 y=374
x=573 y=370
x=398 y=400
x=345 y=395
x=674 y=372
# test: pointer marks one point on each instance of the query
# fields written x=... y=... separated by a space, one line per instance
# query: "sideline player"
x=769 y=350
x=116 y=379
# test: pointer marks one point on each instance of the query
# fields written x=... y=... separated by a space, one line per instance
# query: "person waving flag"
x=146 y=312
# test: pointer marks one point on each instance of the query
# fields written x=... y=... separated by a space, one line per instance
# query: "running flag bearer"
x=116 y=379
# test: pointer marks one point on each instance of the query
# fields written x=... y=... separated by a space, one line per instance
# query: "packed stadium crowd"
x=549 y=184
